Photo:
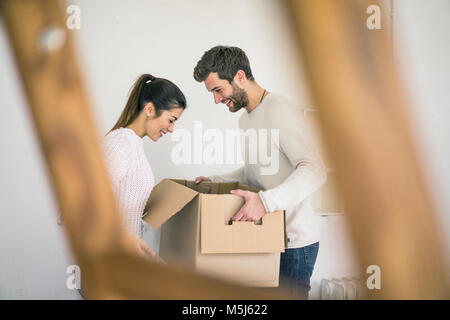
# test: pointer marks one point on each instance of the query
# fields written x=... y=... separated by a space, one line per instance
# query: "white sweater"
x=300 y=171
x=131 y=176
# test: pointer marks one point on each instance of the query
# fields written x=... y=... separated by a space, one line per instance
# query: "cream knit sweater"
x=300 y=173
x=131 y=176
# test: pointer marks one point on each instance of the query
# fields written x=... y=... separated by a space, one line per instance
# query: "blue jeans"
x=296 y=268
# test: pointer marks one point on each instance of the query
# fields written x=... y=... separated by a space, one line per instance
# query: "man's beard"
x=239 y=98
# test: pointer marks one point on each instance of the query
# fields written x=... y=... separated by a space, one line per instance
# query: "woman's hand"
x=138 y=246
x=144 y=250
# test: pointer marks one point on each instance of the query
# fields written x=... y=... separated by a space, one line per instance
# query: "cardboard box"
x=197 y=232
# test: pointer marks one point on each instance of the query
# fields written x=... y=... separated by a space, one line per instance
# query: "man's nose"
x=171 y=127
x=217 y=98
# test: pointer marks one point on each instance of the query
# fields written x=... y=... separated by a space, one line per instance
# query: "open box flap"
x=167 y=198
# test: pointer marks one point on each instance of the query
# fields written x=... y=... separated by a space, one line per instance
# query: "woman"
x=151 y=110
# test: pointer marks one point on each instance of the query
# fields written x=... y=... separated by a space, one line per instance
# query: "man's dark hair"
x=226 y=61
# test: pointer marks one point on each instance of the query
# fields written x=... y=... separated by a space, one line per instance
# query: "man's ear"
x=240 y=78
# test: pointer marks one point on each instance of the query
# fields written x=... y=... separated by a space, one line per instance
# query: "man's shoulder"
x=277 y=101
x=280 y=107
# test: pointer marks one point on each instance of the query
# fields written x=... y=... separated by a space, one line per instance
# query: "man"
x=226 y=73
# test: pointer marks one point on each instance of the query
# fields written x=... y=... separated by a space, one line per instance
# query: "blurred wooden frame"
x=353 y=81
x=106 y=254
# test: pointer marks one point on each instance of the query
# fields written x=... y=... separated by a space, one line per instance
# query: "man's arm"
x=236 y=175
x=309 y=173
x=308 y=176
x=300 y=184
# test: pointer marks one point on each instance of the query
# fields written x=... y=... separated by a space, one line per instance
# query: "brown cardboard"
x=217 y=236
x=197 y=232
x=167 y=198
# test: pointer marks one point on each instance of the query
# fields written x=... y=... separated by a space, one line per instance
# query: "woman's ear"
x=149 y=109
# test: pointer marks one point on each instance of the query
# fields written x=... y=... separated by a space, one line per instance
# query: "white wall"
x=33 y=250
x=118 y=41
x=423 y=49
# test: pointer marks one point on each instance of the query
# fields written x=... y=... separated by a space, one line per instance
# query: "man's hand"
x=200 y=179
x=253 y=208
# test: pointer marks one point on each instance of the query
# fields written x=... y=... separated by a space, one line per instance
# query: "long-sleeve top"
x=283 y=163
x=131 y=176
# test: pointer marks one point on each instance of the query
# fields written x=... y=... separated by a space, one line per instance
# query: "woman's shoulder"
x=120 y=133
x=120 y=137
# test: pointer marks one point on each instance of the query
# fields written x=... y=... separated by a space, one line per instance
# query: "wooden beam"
x=364 y=114
x=106 y=253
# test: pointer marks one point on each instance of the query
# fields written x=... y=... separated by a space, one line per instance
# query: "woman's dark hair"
x=164 y=95
x=226 y=61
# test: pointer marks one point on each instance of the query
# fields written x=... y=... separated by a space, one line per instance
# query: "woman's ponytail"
x=164 y=95
x=133 y=106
